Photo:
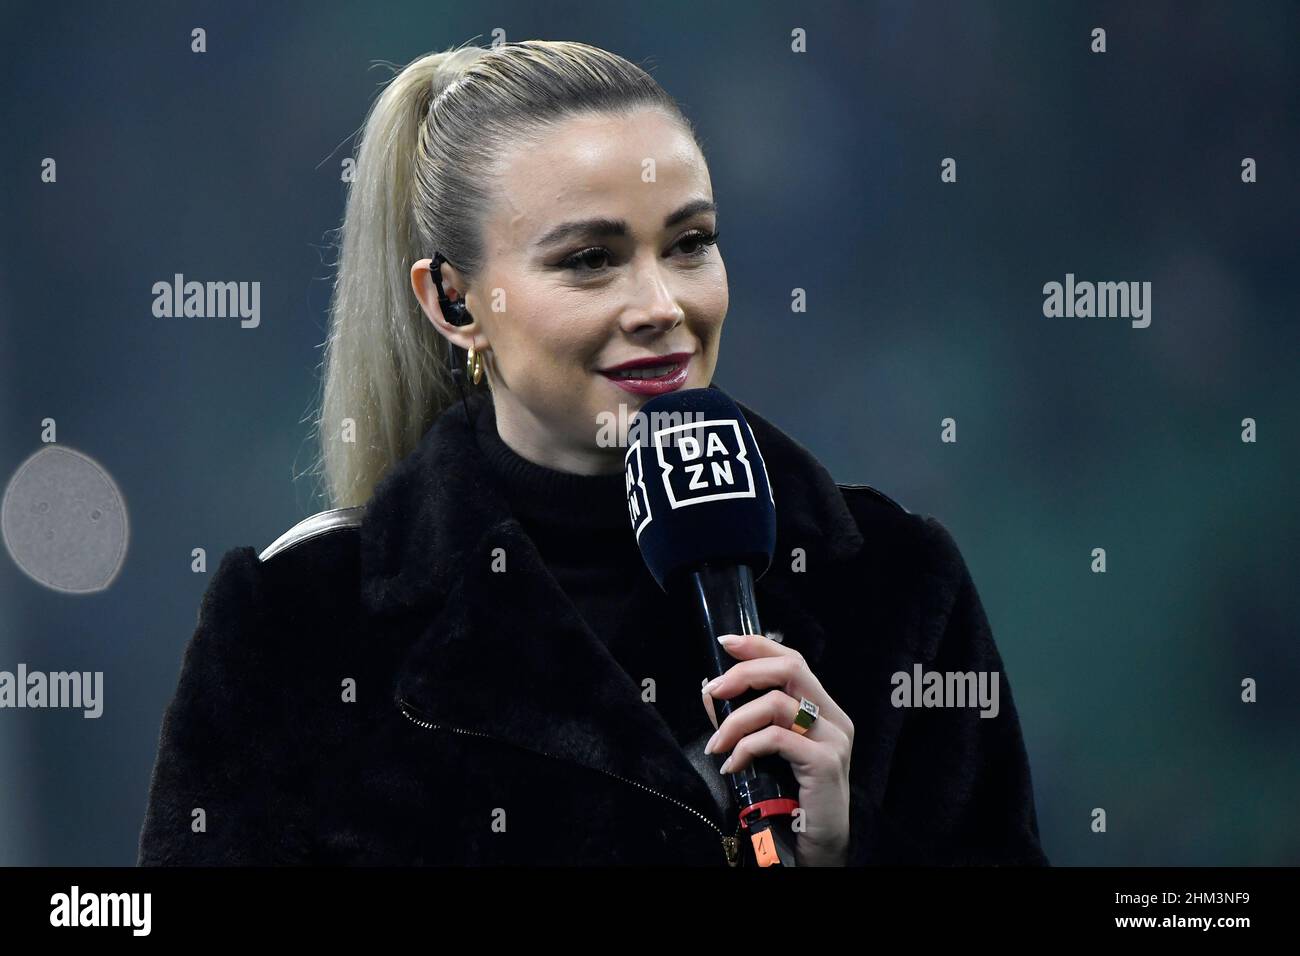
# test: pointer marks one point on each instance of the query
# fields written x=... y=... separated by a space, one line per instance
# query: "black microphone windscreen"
x=697 y=486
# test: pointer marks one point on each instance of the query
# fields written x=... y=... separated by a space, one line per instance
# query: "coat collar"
x=507 y=655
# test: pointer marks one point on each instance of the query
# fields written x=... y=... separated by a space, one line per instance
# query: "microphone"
x=705 y=520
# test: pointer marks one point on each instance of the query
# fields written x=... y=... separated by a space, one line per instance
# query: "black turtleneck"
x=581 y=528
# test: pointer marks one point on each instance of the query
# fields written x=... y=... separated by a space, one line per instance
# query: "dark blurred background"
x=924 y=302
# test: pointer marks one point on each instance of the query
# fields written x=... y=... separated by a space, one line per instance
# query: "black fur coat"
x=367 y=691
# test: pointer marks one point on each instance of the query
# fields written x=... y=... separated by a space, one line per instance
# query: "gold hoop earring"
x=474 y=365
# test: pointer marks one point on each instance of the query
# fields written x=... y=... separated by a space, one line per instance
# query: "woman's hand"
x=819 y=758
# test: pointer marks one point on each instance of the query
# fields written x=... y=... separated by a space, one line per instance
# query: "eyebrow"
x=618 y=227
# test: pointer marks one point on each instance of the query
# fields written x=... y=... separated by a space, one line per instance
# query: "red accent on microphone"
x=778 y=806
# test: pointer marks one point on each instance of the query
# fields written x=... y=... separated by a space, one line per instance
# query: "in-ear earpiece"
x=454 y=311
x=456 y=314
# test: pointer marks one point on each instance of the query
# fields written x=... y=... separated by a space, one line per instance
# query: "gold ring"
x=805 y=716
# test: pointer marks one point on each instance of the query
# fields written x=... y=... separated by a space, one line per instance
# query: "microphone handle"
x=722 y=596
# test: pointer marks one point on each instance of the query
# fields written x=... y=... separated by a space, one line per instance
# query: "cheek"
x=549 y=345
x=710 y=299
x=707 y=285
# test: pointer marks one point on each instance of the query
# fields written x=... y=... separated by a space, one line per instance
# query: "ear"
x=422 y=283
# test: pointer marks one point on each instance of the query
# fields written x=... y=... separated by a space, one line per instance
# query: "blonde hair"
x=425 y=169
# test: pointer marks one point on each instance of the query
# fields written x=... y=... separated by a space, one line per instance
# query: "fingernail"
x=711 y=686
x=726 y=640
x=708 y=748
x=725 y=764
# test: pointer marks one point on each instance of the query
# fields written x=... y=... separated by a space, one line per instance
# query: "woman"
x=466 y=660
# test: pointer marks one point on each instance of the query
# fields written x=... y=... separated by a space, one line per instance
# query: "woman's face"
x=597 y=253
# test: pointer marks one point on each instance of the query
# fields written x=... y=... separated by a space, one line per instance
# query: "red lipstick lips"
x=662 y=373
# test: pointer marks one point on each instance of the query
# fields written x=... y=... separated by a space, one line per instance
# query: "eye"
x=585 y=257
x=594 y=257
x=704 y=240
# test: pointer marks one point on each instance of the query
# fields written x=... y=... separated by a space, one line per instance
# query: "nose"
x=654 y=307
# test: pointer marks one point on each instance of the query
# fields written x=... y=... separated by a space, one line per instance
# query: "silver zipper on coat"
x=730 y=844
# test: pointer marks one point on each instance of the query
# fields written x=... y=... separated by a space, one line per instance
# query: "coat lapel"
x=505 y=653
